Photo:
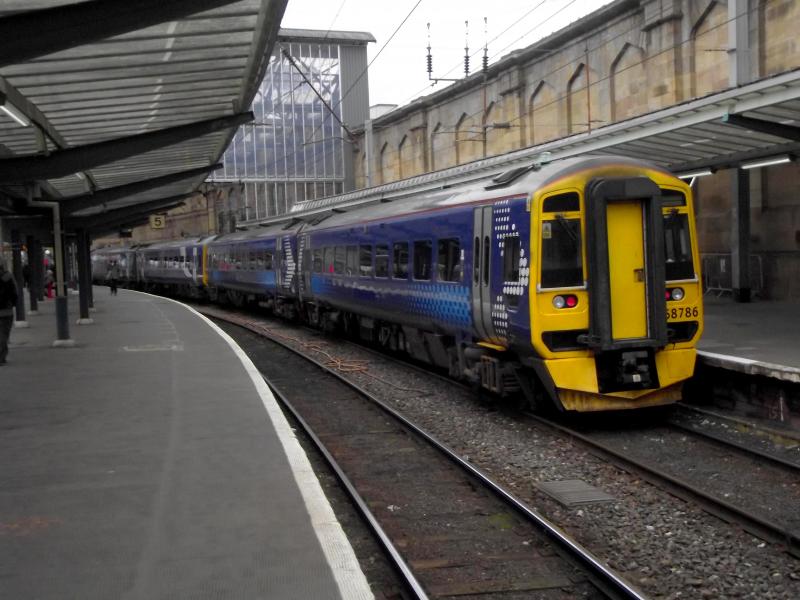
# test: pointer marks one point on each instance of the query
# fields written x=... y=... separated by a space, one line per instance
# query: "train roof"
x=516 y=182
x=179 y=243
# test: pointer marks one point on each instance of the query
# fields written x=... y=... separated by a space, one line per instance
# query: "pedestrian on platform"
x=113 y=277
x=8 y=300
x=26 y=275
x=49 y=280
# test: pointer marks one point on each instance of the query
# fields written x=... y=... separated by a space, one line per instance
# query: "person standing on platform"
x=8 y=300
x=49 y=280
x=113 y=277
x=26 y=275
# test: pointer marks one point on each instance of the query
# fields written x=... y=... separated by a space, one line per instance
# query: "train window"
x=561 y=253
x=317 y=264
x=328 y=262
x=561 y=203
x=365 y=261
x=672 y=198
x=381 y=260
x=511 y=259
x=677 y=247
x=422 y=259
x=400 y=260
x=253 y=261
x=268 y=261
x=449 y=260
x=352 y=261
x=339 y=260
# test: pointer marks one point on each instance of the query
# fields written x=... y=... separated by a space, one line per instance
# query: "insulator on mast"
x=466 y=49
x=430 y=56
x=485 y=45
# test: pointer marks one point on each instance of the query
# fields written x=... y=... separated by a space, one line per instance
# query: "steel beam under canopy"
x=761 y=126
x=35 y=33
x=119 y=215
x=100 y=197
x=82 y=158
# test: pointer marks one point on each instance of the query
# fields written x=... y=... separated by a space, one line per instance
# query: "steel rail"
x=721 y=509
x=608 y=582
x=400 y=565
x=718 y=439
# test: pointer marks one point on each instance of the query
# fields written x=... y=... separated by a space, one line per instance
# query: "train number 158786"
x=683 y=312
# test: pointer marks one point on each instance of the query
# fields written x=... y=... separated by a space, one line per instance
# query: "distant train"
x=575 y=281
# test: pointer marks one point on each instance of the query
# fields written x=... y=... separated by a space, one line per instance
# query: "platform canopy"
x=105 y=105
x=749 y=125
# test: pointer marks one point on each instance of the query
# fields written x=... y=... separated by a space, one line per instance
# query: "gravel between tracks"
x=668 y=547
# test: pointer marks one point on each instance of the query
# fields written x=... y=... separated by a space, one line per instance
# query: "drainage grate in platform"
x=574 y=492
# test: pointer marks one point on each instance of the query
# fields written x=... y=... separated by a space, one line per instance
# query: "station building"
x=297 y=148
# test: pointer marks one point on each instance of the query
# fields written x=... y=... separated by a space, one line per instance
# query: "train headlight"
x=568 y=301
x=675 y=294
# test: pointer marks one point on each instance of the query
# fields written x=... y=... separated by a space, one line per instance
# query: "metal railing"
x=718 y=274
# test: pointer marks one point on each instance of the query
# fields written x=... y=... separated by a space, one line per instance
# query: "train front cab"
x=618 y=303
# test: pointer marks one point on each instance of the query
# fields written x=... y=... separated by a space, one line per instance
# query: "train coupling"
x=632 y=369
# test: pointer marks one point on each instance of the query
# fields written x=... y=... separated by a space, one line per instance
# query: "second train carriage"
x=176 y=265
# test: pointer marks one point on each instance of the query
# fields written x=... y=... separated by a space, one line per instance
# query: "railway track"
x=733 y=482
x=449 y=529
x=779 y=447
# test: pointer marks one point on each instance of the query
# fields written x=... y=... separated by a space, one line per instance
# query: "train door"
x=625 y=220
x=625 y=257
x=481 y=274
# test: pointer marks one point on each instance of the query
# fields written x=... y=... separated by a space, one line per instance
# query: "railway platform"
x=755 y=338
x=151 y=461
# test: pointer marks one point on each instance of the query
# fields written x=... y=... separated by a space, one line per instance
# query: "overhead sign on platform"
x=158 y=221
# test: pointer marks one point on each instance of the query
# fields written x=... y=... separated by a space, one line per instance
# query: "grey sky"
x=399 y=74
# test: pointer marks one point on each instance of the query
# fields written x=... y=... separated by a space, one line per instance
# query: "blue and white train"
x=575 y=282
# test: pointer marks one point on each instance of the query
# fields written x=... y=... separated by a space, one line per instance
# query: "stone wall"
x=627 y=59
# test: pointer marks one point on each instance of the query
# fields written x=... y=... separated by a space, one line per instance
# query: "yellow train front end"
x=617 y=308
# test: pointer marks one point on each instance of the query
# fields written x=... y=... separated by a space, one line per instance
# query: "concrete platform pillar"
x=84 y=277
x=33 y=296
x=16 y=269
x=62 y=300
x=740 y=234
x=36 y=259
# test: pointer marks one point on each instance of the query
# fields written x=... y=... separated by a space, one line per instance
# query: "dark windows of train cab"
x=448 y=264
x=422 y=259
x=365 y=261
x=677 y=246
x=400 y=260
x=562 y=265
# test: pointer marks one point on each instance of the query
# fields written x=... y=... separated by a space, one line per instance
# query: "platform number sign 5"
x=157 y=221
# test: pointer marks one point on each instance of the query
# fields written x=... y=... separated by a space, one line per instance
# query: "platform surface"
x=147 y=463
x=759 y=338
